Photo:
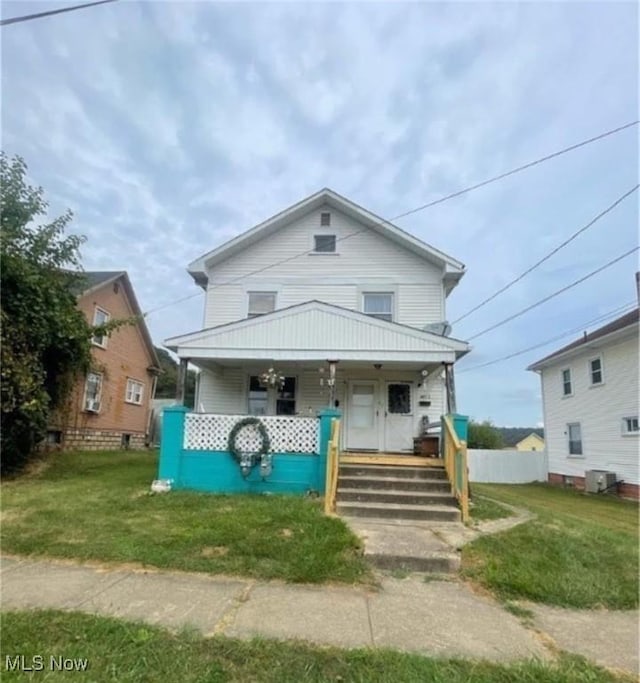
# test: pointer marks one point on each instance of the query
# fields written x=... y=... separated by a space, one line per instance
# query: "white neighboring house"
x=323 y=291
x=590 y=404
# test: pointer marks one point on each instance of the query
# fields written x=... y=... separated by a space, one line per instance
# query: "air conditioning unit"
x=92 y=405
x=596 y=481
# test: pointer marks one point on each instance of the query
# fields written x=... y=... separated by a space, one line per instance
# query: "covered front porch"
x=389 y=381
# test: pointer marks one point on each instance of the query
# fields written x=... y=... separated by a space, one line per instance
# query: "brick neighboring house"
x=110 y=406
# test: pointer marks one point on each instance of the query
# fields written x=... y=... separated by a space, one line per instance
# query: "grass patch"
x=581 y=551
x=136 y=653
x=484 y=509
x=97 y=506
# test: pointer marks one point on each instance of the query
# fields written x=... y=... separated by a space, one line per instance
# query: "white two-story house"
x=344 y=308
x=590 y=394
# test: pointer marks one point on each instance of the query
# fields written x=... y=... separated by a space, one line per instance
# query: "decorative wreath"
x=238 y=427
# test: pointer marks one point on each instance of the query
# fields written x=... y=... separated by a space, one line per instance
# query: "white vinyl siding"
x=367 y=262
x=599 y=413
x=223 y=390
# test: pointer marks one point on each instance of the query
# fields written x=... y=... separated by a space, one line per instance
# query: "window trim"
x=562 y=382
x=105 y=337
x=315 y=252
x=99 y=393
x=593 y=384
x=625 y=431
x=569 y=440
x=392 y=294
x=322 y=215
x=126 y=392
x=261 y=291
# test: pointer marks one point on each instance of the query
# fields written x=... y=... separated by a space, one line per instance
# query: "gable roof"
x=292 y=334
x=93 y=280
x=625 y=321
x=454 y=269
x=528 y=436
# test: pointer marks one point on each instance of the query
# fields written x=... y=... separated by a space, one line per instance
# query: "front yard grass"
x=136 y=653
x=98 y=506
x=581 y=551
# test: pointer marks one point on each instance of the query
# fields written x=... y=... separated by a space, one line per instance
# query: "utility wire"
x=548 y=256
x=551 y=296
x=407 y=213
x=40 y=15
x=621 y=310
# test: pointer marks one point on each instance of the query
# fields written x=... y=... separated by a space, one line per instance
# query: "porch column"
x=181 y=384
x=450 y=387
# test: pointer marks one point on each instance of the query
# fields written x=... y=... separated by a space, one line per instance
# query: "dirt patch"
x=214 y=551
x=286 y=533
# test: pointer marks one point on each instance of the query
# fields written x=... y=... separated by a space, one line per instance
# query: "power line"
x=39 y=15
x=548 y=256
x=407 y=213
x=618 y=311
x=551 y=296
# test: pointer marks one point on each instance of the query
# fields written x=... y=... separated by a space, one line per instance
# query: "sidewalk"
x=434 y=618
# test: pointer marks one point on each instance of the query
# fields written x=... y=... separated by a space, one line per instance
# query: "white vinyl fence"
x=506 y=467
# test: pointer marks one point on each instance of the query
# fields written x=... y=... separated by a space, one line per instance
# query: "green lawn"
x=581 y=551
x=133 y=652
x=97 y=506
x=484 y=509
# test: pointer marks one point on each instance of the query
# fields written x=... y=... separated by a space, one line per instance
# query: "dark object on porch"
x=428 y=443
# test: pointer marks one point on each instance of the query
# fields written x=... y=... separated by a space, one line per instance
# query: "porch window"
x=286 y=401
x=575 y=438
x=399 y=399
x=258 y=397
x=378 y=305
x=261 y=303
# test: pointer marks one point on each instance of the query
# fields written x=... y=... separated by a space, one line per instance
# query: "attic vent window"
x=325 y=219
x=324 y=244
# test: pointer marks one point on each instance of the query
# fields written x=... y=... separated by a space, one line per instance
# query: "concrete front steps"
x=397 y=511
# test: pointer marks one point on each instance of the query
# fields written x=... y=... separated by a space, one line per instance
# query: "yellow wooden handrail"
x=455 y=463
x=331 y=483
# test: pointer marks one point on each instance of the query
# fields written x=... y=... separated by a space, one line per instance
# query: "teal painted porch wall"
x=218 y=472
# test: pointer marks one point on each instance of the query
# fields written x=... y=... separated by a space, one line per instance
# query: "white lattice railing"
x=287 y=434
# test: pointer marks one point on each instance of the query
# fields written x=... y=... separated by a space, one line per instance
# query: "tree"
x=484 y=435
x=45 y=338
x=168 y=380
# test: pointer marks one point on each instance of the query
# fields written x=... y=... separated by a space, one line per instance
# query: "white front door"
x=398 y=417
x=362 y=416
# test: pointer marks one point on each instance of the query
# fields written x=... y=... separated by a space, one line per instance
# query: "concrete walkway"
x=435 y=618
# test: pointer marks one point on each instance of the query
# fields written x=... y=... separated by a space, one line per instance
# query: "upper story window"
x=324 y=244
x=261 y=303
x=93 y=392
x=134 y=392
x=575 y=438
x=595 y=371
x=325 y=219
x=567 y=389
x=100 y=317
x=378 y=305
x=630 y=425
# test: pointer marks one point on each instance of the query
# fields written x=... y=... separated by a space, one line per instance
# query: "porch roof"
x=317 y=331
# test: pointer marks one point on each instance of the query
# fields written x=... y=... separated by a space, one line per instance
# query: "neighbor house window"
x=630 y=425
x=378 y=305
x=325 y=219
x=595 y=371
x=286 y=401
x=566 y=382
x=575 y=438
x=134 y=392
x=261 y=303
x=92 y=392
x=100 y=317
x=324 y=244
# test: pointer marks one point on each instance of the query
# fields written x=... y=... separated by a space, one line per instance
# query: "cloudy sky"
x=169 y=127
